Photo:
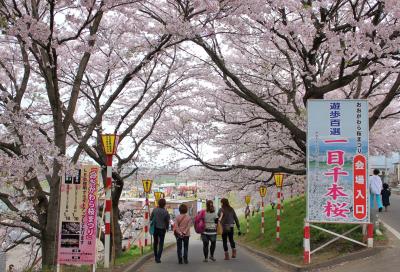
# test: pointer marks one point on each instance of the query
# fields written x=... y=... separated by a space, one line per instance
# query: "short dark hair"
x=162 y=203
x=385 y=186
x=183 y=208
x=376 y=171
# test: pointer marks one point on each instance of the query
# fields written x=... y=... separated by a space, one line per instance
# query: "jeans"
x=207 y=238
x=378 y=200
x=225 y=235
x=185 y=241
x=159 y=235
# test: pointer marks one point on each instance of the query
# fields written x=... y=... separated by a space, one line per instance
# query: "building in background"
x=389 y=165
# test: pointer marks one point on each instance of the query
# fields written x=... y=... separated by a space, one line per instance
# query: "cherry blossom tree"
x=67 y=69
x=268 y=58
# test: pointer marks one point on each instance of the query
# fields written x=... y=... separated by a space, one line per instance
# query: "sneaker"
x=205 y=260
x=380 y=209
x=158 y=261
x=212 y=259
x=185 y=261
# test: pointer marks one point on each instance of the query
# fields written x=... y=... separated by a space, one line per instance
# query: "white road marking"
x=392 y=230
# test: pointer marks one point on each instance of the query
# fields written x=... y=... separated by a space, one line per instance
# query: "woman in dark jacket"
x=160 y=216
x=385 y=196
x=228 y=219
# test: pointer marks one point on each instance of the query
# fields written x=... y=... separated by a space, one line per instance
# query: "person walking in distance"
x=209 y=236
x=385 y=196
x=228 y=218
x=376 y=189
x=161 y=223
x=182 y=226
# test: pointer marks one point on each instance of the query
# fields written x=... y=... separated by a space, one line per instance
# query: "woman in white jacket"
x=375 y=188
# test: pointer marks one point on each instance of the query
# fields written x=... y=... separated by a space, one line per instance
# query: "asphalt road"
x=392 y=216
x=388 y=260
x=245 y=261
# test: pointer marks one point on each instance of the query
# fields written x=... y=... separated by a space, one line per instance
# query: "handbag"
x=152 y=226
x=219 y=228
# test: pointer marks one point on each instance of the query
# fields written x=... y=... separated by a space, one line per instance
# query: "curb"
x=273 y=259
x=336 y=261
x=142 y=260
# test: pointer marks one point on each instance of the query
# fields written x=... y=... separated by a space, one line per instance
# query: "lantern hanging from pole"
x=147 y=185
x=263 y=191
x=247 y=199
x=278 y=177
x=110 y=143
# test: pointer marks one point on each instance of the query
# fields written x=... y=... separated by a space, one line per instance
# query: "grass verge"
x=290 y=247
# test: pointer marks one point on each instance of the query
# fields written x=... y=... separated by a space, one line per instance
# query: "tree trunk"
x=116 y=194
x=50 y=231
x=117 y=235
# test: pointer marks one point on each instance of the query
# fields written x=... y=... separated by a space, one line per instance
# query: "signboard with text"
x=78 y=217
x=337 y=161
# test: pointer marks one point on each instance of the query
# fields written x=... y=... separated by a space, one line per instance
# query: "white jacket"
x=375 y=184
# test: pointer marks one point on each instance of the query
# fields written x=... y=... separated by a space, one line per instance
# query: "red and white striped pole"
x=278 y=215
x=107 y=237
x=370 y=233
x=146 y=221
x=262 y=215
x=248 y=218
x=306 y=243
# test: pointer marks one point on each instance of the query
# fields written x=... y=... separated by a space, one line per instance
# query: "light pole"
x=147 y=189
x=110 y=143
x=263 y=193
x=278 y=177
x=247 y=212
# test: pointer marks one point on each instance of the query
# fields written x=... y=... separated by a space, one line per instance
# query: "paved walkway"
x=245 y=261
x=389 y=259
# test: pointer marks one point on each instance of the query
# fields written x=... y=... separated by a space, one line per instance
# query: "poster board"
x=78 y=217
x=337 y=161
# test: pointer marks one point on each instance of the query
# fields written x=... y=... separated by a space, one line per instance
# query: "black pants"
x=159 y=235
x=207 y=239
x=228 y=233
x=185 y=241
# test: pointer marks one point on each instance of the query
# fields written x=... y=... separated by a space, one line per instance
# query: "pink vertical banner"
x=78 y=217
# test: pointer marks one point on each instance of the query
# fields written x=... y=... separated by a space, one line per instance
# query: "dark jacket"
x=161 y=218
x=229 y=218
x=385 y=197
